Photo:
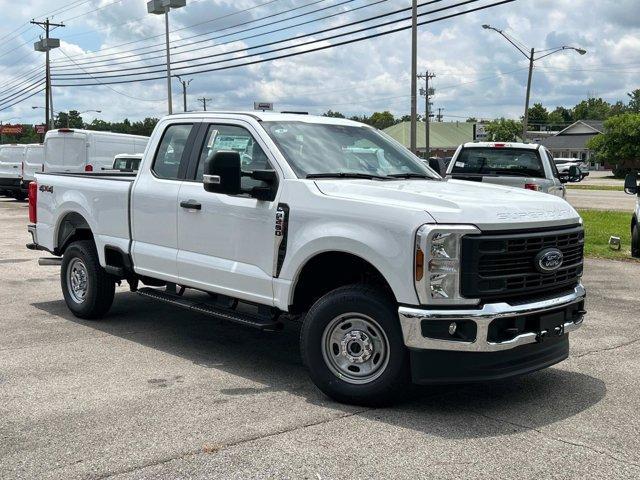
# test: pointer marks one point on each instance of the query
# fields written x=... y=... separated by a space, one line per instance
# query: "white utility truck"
x=11 y=157
x=395 y=273
x=71 y=150
x=523 y=165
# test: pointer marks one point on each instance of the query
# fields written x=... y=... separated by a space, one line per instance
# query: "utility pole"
x=525 y=123
x=439 y=118
x=427 y=92
x=204 y=101
x=184 y=84
x=45 y=45
x=414 y=73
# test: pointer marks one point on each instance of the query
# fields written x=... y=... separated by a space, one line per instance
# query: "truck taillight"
x=88 y=168
x=532 y=186
x=33 y=199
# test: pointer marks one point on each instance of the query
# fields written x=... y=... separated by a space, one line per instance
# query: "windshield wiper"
x=368 y=176
x=411 y=175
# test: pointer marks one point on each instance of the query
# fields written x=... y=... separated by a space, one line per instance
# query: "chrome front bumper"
x=411 y=319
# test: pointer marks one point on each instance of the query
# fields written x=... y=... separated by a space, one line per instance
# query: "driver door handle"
x=191 y=205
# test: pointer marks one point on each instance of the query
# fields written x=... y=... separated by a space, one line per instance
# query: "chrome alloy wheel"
x=77 y=280
x=355 y=348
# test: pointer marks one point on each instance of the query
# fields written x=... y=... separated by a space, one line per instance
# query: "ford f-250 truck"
x=396 y=273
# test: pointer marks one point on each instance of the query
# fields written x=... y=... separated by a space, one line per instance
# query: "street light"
x=532 y=58
x=162 y=7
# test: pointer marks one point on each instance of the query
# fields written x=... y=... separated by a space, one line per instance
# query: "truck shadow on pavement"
x=273 y=360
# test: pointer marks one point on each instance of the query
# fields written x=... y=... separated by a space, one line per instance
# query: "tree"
x=634 y=102
x=620 y=142
x=538 y=116
x=381 y=120
x=331 y=113
x=592 y=109
x=471 y=120
x=503 y=130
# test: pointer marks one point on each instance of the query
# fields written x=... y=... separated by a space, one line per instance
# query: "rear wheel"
x=352 y=343
x=635 y=241
x=20 y=196
x=87 y=288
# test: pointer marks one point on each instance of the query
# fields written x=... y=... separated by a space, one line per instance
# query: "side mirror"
x=575 y=175
x=222 y=173
x=631 y=184
x=438 y=165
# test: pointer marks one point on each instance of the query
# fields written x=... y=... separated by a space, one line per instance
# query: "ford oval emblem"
x=549 y=260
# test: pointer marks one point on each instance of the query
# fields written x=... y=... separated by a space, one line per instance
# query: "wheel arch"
x=328 y=270
x=71 y=227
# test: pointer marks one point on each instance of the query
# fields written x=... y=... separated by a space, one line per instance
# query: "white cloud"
x=358 y=78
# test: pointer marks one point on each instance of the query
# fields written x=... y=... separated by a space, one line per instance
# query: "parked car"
x=125 y=162
x=33 y=162
x=396 y=273
x=11 y=157
x=68 y=150
x=564 y=164
x=631 y=188
x=523 y=165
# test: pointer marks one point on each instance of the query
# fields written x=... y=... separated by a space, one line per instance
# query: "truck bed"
x=101 y=200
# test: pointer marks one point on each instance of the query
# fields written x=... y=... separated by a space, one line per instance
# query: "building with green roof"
x=445 y=137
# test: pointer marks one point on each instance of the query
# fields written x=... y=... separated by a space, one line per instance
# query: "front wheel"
x=635 y=241
x=87 y=288
x=352 y=343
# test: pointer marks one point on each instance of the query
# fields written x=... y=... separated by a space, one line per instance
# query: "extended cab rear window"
x=498 y=162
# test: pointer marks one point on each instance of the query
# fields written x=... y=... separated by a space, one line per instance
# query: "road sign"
x=263 y=106
x=12 y=129
x=41 y=129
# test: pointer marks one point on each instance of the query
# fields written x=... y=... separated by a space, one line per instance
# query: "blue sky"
x=478 y=73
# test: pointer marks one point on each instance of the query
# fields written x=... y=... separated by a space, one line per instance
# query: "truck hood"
x=489 y=207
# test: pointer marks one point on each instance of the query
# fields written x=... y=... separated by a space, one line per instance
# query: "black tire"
x=100 y=286
x=315 y=341
x=635 y=241
x=20 y=196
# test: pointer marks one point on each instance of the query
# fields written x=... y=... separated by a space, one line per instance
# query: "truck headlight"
x=437 y=263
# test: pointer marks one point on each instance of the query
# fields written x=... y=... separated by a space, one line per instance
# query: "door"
x=227 y=243
x=154 y=205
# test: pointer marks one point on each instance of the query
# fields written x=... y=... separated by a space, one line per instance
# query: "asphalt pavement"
x=601 y=200
x=153 y=391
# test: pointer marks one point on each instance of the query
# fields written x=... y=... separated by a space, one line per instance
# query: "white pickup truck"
x=396 y=273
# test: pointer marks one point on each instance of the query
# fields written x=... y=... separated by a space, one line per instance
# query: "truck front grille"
x=501 y=266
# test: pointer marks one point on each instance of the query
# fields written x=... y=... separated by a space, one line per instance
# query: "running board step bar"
x=246 y=319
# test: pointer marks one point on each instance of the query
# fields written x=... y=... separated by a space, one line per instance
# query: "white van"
x=11 y=157
x=33 y=162
x=74 y=150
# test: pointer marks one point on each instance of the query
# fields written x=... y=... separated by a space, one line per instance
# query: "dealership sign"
x=11 y=129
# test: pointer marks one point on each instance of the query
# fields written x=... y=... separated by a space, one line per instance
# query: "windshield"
x=498 y=161
x=314 y=149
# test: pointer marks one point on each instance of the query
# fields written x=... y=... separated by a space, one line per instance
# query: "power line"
x=113 y=89
x=91 y=11
x=246 y=38
x=298 y=37
x=117 y=61
x=178 y=29
x=324 y=47
x=22 y=93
